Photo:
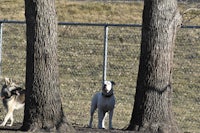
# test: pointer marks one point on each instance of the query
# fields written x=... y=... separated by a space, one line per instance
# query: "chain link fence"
x=80 y=51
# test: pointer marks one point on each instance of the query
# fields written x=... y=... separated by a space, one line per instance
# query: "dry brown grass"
x=77 y=89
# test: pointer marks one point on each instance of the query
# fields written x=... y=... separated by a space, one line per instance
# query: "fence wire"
x=80 y=51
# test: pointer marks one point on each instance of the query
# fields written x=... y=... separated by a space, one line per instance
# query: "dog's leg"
x=8 y=116
x=11 y=120
x=110 y=118
x=103 y=122
x=92 y=110
x=91 y=116
x=100 y=118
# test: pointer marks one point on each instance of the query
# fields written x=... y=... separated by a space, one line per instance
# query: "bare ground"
x=79 y=129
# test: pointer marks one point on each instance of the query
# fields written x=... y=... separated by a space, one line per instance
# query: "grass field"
x=81 y=58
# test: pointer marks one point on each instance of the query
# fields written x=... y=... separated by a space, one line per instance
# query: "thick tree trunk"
x=43 y=108
x=153 y=100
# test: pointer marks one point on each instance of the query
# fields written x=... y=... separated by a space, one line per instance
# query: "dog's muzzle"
x=105 y=88
x=105 y=92
x=5 y=94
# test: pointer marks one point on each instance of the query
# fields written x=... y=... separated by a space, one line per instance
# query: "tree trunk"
x=153 y=100
x=43 y=108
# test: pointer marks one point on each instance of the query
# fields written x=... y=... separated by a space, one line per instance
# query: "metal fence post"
x=1 y=40
x=105 y=52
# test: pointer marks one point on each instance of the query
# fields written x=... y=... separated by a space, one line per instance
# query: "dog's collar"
x=108 y=94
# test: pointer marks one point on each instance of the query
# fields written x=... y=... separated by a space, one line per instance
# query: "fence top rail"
x=95 y=24
x=77 y=23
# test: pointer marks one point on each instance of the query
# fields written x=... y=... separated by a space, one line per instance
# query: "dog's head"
x=8 y=89
x=107 y=89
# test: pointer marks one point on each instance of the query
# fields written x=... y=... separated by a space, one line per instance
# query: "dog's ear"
x=113 y=83
x=7 y=81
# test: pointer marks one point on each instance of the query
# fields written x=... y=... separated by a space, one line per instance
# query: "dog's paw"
x=10 y=125
x=2 y=124
x=89 y=126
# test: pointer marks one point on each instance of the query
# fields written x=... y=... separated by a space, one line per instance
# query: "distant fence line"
x=105 y=25
x=93 y=24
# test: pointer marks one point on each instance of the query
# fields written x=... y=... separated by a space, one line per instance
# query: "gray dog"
x=13 y=98
x=105 y=102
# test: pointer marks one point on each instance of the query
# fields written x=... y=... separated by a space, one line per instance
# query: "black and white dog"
x=13 y=98
x=105 y=102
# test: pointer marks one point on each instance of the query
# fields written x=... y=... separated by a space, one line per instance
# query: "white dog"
x=105 y=102
x=13 y=98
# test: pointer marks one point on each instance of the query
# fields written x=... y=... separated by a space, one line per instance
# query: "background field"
x=81 y=58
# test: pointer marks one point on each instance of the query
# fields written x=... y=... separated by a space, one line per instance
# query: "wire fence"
x=81 y=50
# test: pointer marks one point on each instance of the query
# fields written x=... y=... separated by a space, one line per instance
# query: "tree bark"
x=43 y=107
x=153 y=100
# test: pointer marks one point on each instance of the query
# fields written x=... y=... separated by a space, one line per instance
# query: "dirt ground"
x=79 y=129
